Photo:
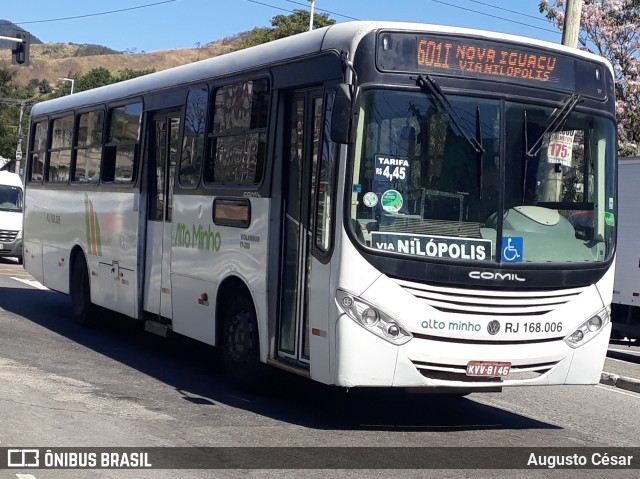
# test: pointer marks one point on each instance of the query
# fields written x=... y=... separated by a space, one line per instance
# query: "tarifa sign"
x=197 y=237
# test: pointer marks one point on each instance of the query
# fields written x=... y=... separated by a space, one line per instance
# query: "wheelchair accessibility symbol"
x=512 y=249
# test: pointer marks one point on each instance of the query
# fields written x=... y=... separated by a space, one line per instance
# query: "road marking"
x=25 y=476
x=626 y=351
x=616 y=390
x=31 y=282
x=618 y=360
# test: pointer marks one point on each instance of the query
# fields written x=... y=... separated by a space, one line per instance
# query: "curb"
x=621 y=382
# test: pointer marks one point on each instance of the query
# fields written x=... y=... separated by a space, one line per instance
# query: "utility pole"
x=571 y=31
x=313 y=4
x=71 y=80
x=552 y=182
x=19 y=147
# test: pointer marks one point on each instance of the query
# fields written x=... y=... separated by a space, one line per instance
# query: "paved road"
x=61 y=385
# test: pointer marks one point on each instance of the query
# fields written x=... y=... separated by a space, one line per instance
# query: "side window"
x=193 y=138
x=121 y=149
x=38 y=151
x=59 y=164
x=238 y=136
x=89 y=147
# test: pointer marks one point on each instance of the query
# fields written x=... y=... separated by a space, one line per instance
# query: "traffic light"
x=20 y=53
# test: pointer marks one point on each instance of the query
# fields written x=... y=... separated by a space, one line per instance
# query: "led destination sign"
x=471 y=57
x=487 y=59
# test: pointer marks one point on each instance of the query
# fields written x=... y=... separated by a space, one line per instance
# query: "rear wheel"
x=241 y=346
x=80 y=292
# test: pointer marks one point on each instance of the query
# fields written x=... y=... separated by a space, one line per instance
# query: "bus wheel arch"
x=238 y=336
x=80 y=288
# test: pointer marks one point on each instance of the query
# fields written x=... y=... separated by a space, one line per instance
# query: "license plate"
x=488 y=369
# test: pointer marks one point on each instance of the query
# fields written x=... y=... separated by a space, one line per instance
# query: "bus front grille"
x=8 y=236
x=490 y=303
x=450 y=372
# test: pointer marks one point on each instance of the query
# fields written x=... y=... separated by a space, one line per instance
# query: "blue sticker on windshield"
x=512 y=249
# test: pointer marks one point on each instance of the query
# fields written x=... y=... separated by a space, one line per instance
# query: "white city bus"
x=367 y=204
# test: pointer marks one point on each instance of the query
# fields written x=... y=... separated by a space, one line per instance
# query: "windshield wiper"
x=554 y=123
x=429 y=85
x=441 y=102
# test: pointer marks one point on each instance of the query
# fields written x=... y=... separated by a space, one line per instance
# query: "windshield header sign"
x=480 y=58
x=445 y=247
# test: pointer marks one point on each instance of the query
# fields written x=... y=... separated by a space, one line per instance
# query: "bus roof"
x=338 y=37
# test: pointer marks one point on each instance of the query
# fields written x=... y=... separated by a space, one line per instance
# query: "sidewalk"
x=622 y=369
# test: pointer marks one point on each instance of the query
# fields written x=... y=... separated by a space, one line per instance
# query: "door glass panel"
x=174 y=146
x=317 y=128
x=157 y=163
x=291 y=256
x=295 y=160
x=326 y=179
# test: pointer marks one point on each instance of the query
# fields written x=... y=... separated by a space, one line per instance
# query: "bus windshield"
x=483 y=180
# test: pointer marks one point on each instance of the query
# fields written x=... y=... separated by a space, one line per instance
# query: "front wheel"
x=80 y=292
x=241 y=346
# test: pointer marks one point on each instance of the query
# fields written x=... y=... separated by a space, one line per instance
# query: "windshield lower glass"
x=10 y=198
x=492 y=184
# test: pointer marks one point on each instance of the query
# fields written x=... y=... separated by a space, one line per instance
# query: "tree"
x=128 y=73
x=11 y=97
x=610 y=29
x=285 y=26
x=93 y=79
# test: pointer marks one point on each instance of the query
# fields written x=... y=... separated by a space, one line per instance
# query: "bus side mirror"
x=341 y=115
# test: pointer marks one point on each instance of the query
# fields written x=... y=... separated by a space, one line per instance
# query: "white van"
x=11 y=207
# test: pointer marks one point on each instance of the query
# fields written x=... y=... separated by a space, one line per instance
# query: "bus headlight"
x=372 y=319
x=588 y=330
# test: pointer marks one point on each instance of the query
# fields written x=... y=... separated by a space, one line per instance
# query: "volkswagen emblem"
x=493 y=327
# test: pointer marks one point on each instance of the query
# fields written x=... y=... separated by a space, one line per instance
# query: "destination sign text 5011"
x=474 y=57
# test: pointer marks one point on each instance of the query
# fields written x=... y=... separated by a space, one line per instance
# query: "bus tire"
x=80 y=290
x=241 y=346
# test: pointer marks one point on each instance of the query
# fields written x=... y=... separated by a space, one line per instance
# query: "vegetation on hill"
x=284 y=26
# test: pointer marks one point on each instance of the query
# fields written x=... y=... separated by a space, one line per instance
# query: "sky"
x=151 y=25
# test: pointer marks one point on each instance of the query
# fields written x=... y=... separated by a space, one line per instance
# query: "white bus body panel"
x=204 y=254
x=627 y=279
x=103 y=224
x=33 y=260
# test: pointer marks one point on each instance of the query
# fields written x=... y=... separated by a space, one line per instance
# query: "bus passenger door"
x=162 y=155
x=304 y=113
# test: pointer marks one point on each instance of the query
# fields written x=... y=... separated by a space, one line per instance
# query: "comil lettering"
x=498 y=276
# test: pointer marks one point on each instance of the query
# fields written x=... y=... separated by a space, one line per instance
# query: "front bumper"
x=366 y=360
x=11 y=248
